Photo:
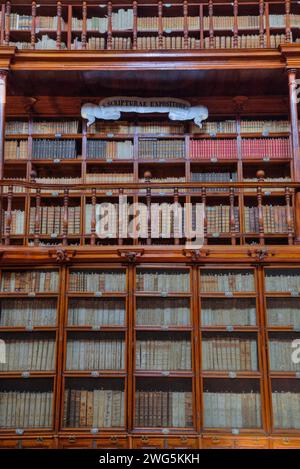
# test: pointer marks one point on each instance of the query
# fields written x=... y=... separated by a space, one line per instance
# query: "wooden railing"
x=200 y=25
x=247 y=212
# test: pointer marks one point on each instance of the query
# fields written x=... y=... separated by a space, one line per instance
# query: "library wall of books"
x=152 y=337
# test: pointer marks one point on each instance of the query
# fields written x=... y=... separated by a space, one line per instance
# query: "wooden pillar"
x=294 y=123
x=3 y=79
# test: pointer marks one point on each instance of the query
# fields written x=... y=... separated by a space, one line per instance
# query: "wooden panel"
x=217 y=442
x=183 y=442
x=285 y=443
x=148 y=442
x=251 y=442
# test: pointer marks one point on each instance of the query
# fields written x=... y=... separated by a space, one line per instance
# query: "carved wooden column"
x=3 y=80
x=294 y=123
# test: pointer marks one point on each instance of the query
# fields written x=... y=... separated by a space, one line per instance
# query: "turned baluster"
x=160 y=25
x=203 y=200
x=261 y=23
x=260 y=176
x=135 y=25
x=65 y=217
x=289 y=220
x=147 y=176
x=288 y=33
x=58 y=32
x=7 y=22
x=120 y=218
x=109 y=25
x=33 y=24
x=8 y=221
x=211 y=24
x=185 y=25
x=93 y=218
x=232 y=217
x=177 y=219
x=37 y=218
x=84 y=26
x=235 y=24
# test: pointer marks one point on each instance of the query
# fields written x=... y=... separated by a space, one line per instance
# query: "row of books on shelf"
x=218 y=221
x=29 y=355
x=98 y=408
x=167 y=354
x=102 y=149
x=90 y=311
x=17 y=224
x=281 y=355
x=163 y=409
x=232 y=410
x=16 y=150
x=274 y=219
x=124 y=20
x=24 y=22
x=163 y=312
x=51 y=149
x=28 y=312
x=153 y=148
x=110 y=281
x=19 y=409
x=95 y=354
x=231 y=281
x=234 y=280
x=286 y=409
x=244 y=41
x=161 y=127
x=228 y=312
x=27 y=281
x=229 y=353
x=163 y=281
x=283 y=311
x=282 y=281
x=51 y=219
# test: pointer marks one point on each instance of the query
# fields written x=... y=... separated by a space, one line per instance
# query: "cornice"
x=291 y=55
x=144 y=60
x=12 y=255
x=6 y=56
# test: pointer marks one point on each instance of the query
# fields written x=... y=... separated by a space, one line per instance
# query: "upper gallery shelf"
x=159 y=25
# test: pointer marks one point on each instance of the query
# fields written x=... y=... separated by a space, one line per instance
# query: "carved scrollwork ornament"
x=260 y=254
x=62 y=255
x=195 y=255
x=130 y=256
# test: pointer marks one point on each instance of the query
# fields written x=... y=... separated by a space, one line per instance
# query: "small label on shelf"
x=268 y=193
x=265 y=133
x=54 y=235
x=102 y=5
x=168 y=5
x=164 y=293
x=109 y=193
x=165 y=373
x=55 y=193
x=230 y=328
x=95 y=374
x=297 y=374
x=266 y=158
x=94 y=430
x=235 y=431
x=56 y=161
x=109 y=160
x=29 y=327
x=58 y=135
x=212 y=134
x=19 y=431
x=98 y=293
x=215 y=235
x=165 y=327
x=31 y=293
x=214 y=159
x=232 y=374
x=25 y=374
x=165 y=431
x=228 y=293
x=110 y=134
x=294 y=293
x=296 y=328
x=161 y=160
x=96 y=327
x=162 y=193
x=168 y=30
